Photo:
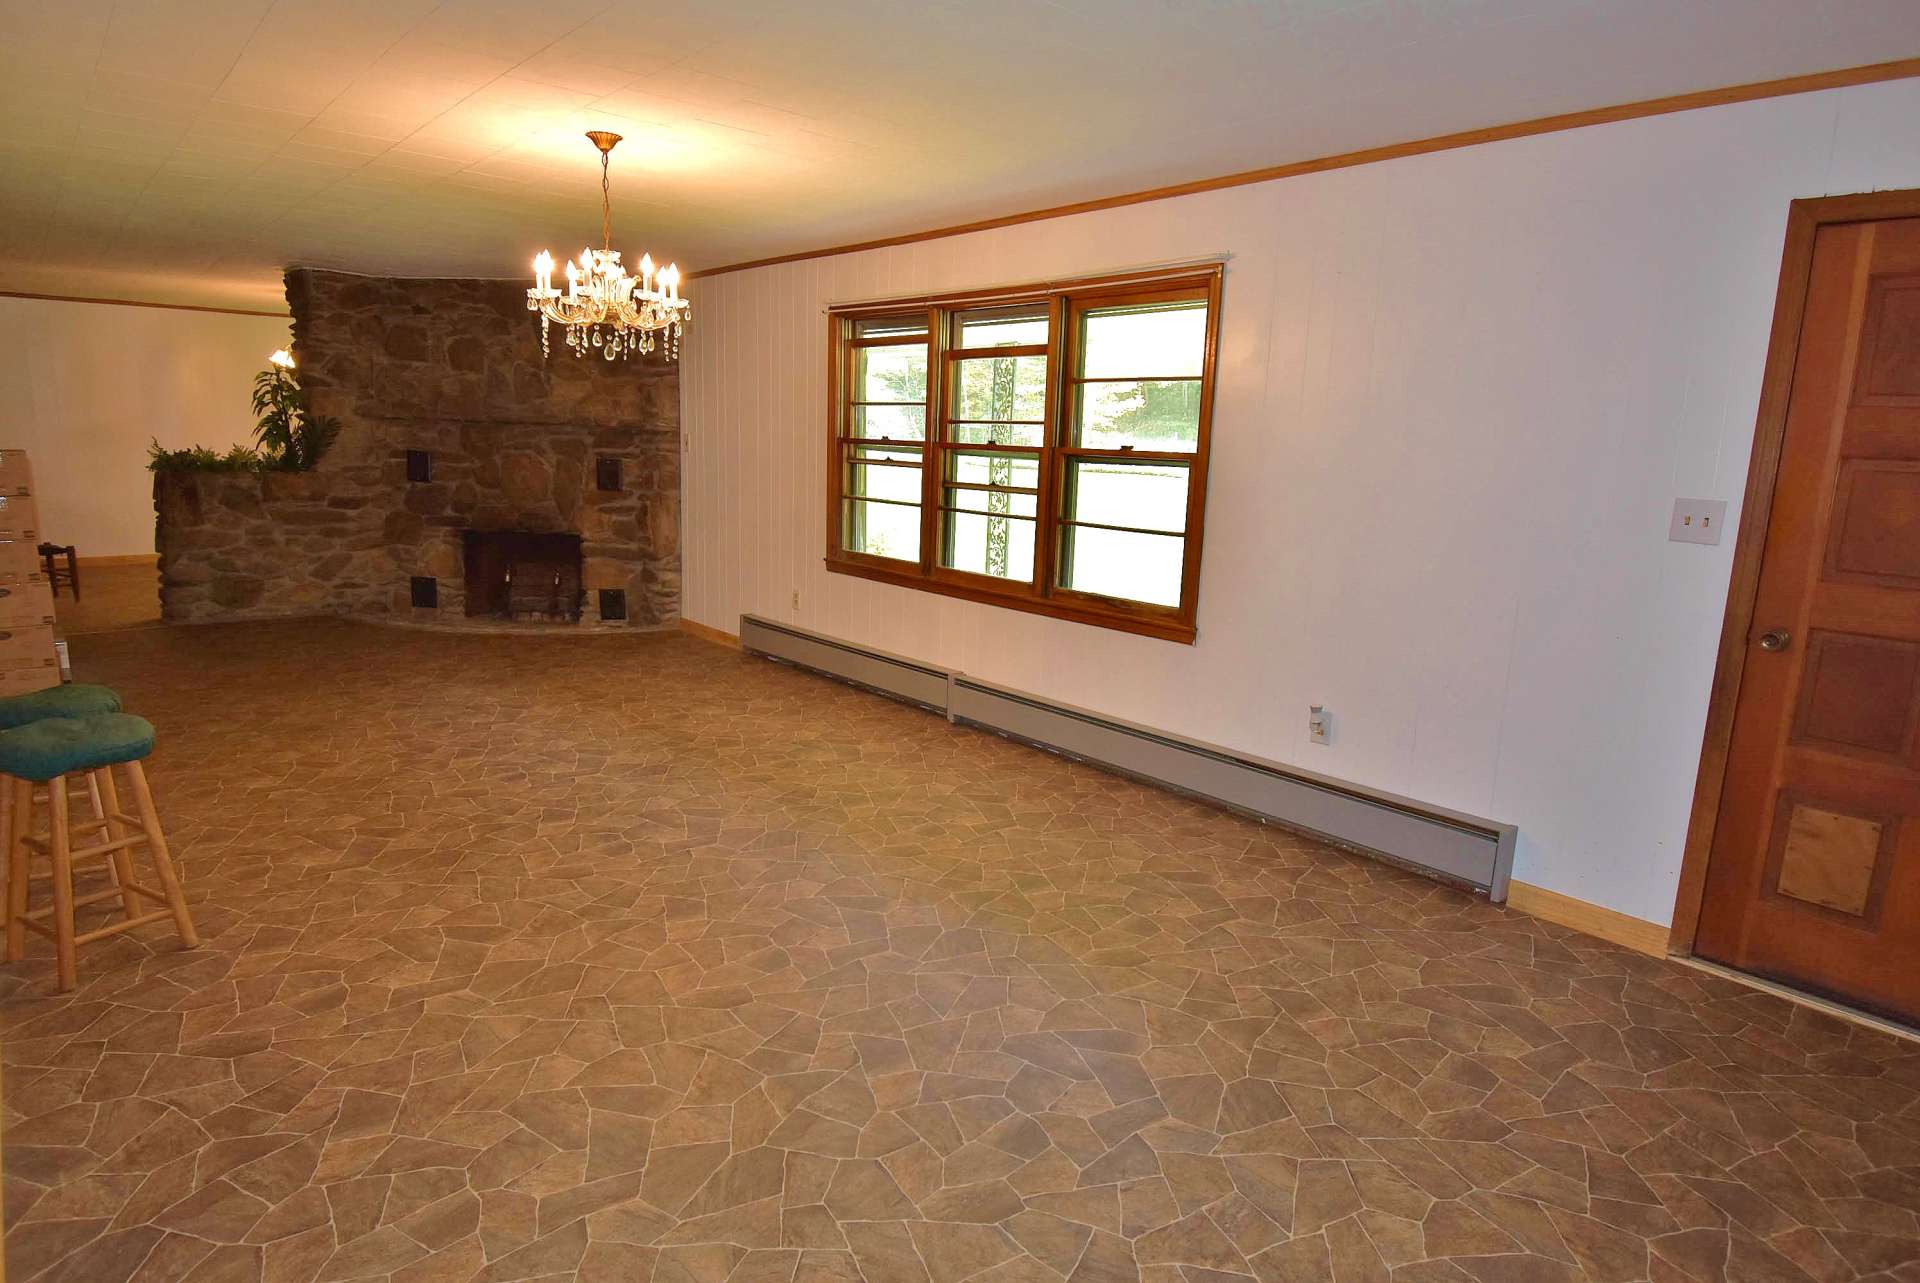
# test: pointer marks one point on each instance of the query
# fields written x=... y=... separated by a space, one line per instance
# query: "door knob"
x=1778 y=639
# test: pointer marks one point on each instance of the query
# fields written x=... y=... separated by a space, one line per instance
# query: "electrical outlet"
x=796 y=599
x=1319 y=724
x=1697 y=521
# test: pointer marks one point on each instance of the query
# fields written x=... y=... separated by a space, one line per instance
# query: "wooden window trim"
x=1042 y=596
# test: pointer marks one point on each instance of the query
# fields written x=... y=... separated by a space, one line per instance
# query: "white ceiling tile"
x=443 y=136
x=191 y=41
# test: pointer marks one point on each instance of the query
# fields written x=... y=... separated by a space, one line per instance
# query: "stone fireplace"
x=453 y=426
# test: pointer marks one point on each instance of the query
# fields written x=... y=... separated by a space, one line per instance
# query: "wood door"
x=1814 y=876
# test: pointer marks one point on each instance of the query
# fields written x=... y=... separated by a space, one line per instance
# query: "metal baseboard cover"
x=894 y=675
x=1461 y=848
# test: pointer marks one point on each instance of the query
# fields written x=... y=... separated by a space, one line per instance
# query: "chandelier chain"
x=606 y=201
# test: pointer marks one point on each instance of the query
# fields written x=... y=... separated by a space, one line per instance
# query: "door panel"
x=1814 y=877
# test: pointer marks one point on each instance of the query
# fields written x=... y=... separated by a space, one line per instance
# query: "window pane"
x=1023 y=325
x=883 y=529
x=1120 y=563
x=1161 y=414
x=901 y=422
x=1150 y=496
x=990 y=544
x=890 y=373
x=1146 y=340
x=992 y=501
x=998 y=433
x=1018 y=470
x=887 y=327
x=999 y=388
x=878 y=474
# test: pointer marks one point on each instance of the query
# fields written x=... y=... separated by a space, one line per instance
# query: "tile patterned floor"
x=630 y=959
x=111 y=597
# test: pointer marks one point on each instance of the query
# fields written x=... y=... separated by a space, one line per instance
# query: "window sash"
x=945 y=500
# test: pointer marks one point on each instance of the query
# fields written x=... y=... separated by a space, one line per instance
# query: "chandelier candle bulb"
x=604 y=307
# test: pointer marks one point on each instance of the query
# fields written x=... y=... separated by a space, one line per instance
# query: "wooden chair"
x=68 y=574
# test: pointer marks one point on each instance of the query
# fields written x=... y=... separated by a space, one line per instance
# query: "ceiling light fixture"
x=603 y=307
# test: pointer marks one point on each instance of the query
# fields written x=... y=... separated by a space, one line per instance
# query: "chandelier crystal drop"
x=603 y=307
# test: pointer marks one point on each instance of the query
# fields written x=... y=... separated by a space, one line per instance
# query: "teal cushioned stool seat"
x=49 y=748
x=74 y=699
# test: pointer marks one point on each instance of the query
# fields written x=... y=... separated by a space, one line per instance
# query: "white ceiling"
x=185 y=150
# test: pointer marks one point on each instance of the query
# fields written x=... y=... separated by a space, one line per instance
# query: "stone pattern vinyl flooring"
x=634 y=959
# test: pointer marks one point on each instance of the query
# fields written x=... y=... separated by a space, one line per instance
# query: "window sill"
x=1148 y=622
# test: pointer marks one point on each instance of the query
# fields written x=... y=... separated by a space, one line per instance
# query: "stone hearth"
x=451 y=421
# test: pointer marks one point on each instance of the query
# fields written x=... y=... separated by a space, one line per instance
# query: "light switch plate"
x=1697 y=520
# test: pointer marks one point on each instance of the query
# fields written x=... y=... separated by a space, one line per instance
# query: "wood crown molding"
x=135 y=302
x=1874 y=73
x=1610 y=925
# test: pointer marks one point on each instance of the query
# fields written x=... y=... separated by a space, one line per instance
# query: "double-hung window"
x=1042 y=448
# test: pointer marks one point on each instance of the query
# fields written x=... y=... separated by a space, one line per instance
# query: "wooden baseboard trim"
x=707 y=634
x=1595 y=920
x=127 y=559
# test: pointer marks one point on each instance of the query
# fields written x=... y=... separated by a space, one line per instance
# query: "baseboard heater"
x=902 y=678
x=1457 y=847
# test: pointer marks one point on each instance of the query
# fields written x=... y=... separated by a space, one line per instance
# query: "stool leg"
x=162 y=860
x=6 y=838
x=58 y=844
x=106 y=803
x=20 y=821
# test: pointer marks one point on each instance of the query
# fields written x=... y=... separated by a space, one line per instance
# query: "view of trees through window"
x=965 y=457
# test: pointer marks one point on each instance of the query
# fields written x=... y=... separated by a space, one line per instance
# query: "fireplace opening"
x=523 y=574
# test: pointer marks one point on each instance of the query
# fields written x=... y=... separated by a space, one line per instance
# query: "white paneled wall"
x=85 y=387
x=1457 y=396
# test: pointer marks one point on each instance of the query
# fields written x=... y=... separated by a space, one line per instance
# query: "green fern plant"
x=288 y=432
x=288 y=437
x=198 y=458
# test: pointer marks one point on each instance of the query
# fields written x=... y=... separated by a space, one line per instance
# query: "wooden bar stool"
x=72 y=699
x=51 y=752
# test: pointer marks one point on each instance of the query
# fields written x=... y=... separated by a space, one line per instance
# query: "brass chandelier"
x=603 y=307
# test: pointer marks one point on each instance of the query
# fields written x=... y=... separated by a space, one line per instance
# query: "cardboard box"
x=26 y=603
x=16 y=473
x=20 y=520
x=24 y=576
x=25 y=681
x=28 y=661
x=18 y=558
